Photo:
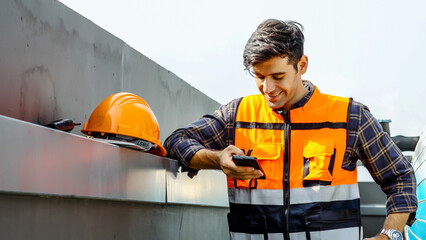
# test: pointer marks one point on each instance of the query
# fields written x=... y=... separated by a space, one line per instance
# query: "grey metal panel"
x=173 y=101
x=372 y=225
x=373 y=209
x=363 y=174
x=52 y=218
x=207 y=188
x=372 y=197
x=419 y=159
x=36 y=159
x=56 y=64
x=39 y=160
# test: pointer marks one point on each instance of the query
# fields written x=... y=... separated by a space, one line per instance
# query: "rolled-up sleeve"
x=211 y=131
x=387 y=165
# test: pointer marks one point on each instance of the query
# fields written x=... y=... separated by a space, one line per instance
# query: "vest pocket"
x=318 y=155
x=248 y=223
x=267 y=155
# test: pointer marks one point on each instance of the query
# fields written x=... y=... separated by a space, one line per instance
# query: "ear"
x=302 y=65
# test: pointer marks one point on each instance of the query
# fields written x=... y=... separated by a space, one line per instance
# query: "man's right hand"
x=211 y=159
x=233 y=171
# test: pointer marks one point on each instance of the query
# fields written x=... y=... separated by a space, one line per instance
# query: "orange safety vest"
x=306 y=194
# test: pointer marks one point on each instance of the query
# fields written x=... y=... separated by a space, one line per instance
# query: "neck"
x=301 y=93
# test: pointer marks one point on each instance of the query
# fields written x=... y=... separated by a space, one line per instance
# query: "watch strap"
x=392 y=234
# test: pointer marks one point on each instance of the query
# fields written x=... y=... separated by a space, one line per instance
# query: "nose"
x=268 y=86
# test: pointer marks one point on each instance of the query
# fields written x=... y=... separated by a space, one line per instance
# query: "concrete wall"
x=56 y=64
x=53 y=218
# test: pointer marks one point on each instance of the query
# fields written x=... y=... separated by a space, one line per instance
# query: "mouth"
x=273 y=97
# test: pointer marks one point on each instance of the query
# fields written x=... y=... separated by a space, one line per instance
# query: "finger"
x=246 y=177
x=241 y=169
x=231 y=166
x=233 y=150
x=243 y=173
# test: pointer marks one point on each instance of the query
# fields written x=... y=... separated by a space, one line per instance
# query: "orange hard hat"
x=126 y=116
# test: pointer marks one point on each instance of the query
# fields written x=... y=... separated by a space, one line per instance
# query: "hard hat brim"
x=160 y=151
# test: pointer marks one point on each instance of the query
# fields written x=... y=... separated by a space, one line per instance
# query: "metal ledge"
x=39 y=160
x=373 y=209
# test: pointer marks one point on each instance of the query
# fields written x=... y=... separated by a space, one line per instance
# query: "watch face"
x=396 y=235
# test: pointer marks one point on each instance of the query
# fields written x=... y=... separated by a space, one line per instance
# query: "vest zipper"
x=286 y=173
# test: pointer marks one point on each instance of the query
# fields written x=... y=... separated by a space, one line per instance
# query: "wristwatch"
x=392 y=234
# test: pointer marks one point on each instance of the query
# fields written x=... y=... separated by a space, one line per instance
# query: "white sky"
x=372 y=51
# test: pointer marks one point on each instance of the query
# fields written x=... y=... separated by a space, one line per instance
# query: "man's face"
x=279 y=82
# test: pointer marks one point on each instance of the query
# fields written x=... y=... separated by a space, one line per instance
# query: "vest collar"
x=311 y=88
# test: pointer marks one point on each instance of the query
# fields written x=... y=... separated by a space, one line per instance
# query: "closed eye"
x=275 y=76
x=257 y=75
x=278 y=76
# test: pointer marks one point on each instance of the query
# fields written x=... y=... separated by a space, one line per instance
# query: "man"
x=307 y=144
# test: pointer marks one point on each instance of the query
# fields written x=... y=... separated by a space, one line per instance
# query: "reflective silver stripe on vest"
x=246 y=236
x=324 y=193
x=338 y=234
x=297 y=195
x=256 y=196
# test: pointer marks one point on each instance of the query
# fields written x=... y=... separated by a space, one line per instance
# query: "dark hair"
x=275 y=38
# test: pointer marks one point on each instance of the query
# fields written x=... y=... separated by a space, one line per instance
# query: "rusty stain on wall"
x=37 y=96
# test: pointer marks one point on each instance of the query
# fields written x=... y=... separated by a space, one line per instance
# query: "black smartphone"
x=248 y=161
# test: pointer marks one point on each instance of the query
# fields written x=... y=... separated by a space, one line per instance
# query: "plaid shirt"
x=366 y=141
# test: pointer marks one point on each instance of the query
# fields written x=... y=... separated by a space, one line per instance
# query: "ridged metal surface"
x=418 y=230
x=39 y=160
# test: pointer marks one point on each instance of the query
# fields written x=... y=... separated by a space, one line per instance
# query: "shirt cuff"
x=187 y=159
x=187 y=152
